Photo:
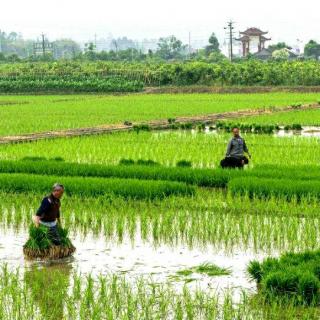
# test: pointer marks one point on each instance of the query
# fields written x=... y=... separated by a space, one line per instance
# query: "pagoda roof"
x=253 y=32
x=265 y=39
x=246 y=38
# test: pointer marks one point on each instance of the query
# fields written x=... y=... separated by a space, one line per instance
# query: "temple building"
x=253 y=41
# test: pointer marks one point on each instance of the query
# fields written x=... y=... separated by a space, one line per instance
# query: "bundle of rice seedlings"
x=40 y=246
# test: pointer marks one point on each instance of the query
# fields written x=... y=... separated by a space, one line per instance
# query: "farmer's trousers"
x=54 y=235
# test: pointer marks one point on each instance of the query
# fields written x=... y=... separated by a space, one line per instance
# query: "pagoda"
x=253 y=41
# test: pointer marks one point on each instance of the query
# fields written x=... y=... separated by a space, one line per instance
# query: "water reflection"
x=49 y=287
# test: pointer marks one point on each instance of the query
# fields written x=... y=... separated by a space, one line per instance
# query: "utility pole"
x=43 y=45
x=230 y=33
x=189 y=45
x=0 y=41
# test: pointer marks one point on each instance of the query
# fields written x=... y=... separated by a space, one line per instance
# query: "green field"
x=305 y=117
x=28 y=114
x=167 y=148
x=124 y=217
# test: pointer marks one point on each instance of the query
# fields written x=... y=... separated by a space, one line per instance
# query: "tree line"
x=14 y=48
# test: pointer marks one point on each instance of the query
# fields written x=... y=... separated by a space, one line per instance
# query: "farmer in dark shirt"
x=235 y=157
x=48 y=214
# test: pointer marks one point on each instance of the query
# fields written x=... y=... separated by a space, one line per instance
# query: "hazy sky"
x=284 y=19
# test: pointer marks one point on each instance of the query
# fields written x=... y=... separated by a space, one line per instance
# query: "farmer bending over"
x=48 y=214
x=235 y=157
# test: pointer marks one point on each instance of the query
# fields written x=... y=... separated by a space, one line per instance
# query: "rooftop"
x=253 y=32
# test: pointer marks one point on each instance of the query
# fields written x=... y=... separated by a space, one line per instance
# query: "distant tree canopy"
x=66 y=49
x=213 y=46
x=279 y=46
x=281 y=54
x=170 y=48
x=312 y=49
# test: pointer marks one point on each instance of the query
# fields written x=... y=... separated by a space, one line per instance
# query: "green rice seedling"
x=114 y=109
x=28 y=158
x=128 y=188
x=39 y=244
x=212 y=270
x=141 y=127
x=147 y=162
x=294 y=276
x=56 y=159
x=186 y=126
x=204 y=150
x=206 y=268
x=184 y=163
x=296 y=105
x=266 y=187
x=59 y=293
x=171 y=120
x=296 y=127
x=126 y=162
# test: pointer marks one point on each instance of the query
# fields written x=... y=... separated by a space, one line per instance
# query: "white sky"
x=285 y=20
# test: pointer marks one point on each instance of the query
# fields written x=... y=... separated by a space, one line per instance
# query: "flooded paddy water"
x=99 y=256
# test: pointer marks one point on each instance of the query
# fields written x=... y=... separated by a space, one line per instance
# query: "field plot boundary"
x=153 y=124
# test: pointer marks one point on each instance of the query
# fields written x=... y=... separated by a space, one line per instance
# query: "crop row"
x=262 y=181
x=267 y=187
x=69 y=85
x=149 y=170
x=128 y=188
x=256 y=128
x=246 y=73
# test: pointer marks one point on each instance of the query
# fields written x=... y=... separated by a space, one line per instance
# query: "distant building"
x=264 y=54
x=253 y=41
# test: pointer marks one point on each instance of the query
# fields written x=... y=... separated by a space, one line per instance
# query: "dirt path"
x=154 y=124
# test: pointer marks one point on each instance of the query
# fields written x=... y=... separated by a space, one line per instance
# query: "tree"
x=282 y=54
x=66 y=49
x=279 y=46
x=312 y=49
x=171 y=48
x=213 y=45
x=90 y=51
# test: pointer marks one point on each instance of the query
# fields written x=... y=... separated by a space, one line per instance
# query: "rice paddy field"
x=28 y=114
x=161 y=231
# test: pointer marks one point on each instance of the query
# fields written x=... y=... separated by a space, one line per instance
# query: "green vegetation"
x=167 y=148
x=151 y=170
x=266 y=187
x=246 y=73
x=207 y=268
x=28 y=114
x=45 y=293
x=128 y=188
x=294 y=276
x=208 y=219
x=247 y=127
x=39 y=244
x=162 y=189
x=61 y=84
x=304 y=117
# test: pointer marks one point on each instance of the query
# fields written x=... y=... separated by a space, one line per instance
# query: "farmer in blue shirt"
x=48 y=213
x=235 y=155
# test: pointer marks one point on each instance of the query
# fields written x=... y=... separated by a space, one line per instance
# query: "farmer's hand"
x=36 y=220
